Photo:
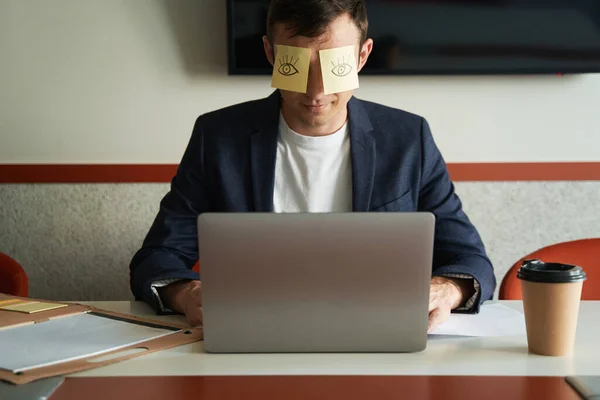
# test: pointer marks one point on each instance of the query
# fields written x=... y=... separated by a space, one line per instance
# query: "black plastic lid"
x=538 y=271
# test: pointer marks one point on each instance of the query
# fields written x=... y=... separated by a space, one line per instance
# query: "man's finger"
x=436 y=317
x=432 y=305
x=196 y=295
x=433 y=302
x=195 y=318
x=435 y=296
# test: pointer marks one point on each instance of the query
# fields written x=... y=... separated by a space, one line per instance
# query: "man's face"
x=315 y=110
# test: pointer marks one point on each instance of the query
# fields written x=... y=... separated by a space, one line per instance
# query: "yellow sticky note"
x=290 y=69
x=30 y=307
x=10 y=301
x=339 y=69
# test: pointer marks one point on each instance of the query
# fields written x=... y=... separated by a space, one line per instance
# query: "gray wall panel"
x=76 y=241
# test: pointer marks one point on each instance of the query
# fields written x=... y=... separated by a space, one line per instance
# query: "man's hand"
x=445 y=295
x=184 y=297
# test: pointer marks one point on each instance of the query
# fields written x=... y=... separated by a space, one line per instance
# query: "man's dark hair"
x=310 y=18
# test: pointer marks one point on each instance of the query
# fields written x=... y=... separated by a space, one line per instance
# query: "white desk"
x=463 y=356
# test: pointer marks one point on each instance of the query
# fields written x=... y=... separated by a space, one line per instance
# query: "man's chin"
x=318 y=117
x=316 y=121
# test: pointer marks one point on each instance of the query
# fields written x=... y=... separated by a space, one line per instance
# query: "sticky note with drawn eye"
x=290 y=68
x=339 y=69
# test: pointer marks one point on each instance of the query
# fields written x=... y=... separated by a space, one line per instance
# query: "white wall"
x=122 y=81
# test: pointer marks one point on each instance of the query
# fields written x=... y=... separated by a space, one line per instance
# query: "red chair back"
x=13 y=279
x=584 y=253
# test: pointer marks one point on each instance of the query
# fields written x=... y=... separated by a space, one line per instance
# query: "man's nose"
x=314 y=87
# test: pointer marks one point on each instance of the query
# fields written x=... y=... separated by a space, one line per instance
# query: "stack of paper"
x=70 y=338
x=492 y=320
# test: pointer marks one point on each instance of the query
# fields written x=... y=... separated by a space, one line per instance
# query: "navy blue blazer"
x=229 y=166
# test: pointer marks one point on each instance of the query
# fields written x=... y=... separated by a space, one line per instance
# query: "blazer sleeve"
x=170 y=248
x=458 y=249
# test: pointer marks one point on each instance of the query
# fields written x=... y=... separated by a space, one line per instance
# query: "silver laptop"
x=335 y=282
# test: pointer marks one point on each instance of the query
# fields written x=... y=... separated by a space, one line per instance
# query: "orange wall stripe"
x=160 y=173
x=543 y=171
x=86 y=173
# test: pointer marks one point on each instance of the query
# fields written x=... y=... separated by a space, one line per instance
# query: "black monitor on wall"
x=450 y=36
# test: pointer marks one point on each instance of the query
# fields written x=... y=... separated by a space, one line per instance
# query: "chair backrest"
x=13 y=279
x=584 y=253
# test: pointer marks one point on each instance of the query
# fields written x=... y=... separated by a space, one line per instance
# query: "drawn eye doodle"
x=342 y=68
x=287 y=66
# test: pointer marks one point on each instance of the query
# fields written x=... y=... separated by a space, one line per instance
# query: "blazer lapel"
x=363 y=156
x=263 y=153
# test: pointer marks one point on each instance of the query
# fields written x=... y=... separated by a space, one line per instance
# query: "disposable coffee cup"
x=551 y=297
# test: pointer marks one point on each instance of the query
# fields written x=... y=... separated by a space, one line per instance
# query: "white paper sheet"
x=69 y=338
x=492 y=320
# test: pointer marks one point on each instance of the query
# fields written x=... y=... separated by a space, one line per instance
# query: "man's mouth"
x=316 y=108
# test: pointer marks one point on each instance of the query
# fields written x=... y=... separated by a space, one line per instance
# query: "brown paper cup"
x=551 y=311
x=551 y=297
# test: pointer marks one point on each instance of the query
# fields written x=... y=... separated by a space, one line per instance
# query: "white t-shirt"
x=312 y=174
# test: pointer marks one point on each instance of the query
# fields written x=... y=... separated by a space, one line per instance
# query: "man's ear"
x=269 y=52
x=363 y=55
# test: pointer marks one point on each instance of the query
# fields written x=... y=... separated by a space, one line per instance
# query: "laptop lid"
x=335 y=282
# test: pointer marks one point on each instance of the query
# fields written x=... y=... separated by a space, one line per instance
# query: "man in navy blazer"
x=309 y=151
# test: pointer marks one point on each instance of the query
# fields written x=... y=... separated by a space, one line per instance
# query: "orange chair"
x=584 y=253
x=196 y=267
x=13 y=279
